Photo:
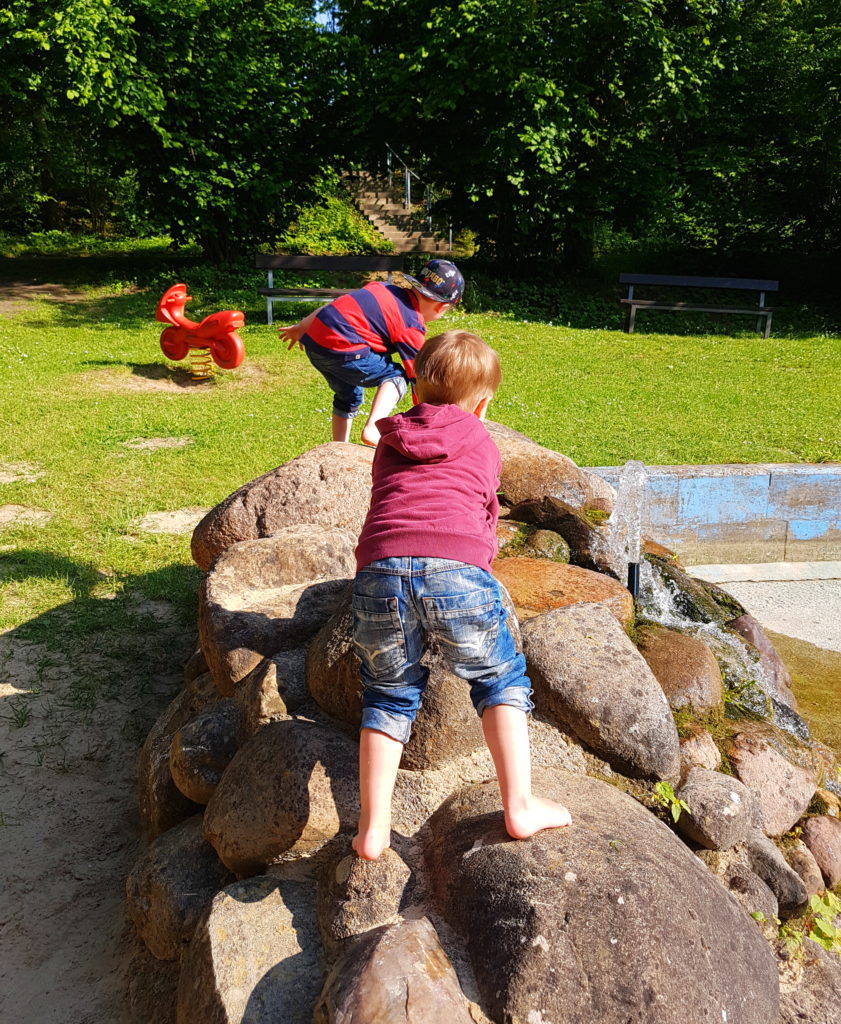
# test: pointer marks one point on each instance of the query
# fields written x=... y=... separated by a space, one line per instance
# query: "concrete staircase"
x=383 y=208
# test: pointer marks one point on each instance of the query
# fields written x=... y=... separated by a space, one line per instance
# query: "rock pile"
x=248 y=791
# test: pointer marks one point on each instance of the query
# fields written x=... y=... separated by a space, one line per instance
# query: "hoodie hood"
x=431 y=433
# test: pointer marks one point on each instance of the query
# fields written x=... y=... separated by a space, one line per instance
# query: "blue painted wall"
x=744 y=513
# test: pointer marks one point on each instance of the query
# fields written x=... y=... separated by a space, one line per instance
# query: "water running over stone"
x=628 y=520
x=746 y=684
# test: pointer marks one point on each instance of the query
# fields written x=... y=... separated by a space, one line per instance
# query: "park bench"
x=307 y=264
x=667 y=280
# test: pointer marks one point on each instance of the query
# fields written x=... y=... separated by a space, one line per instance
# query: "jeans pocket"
x=466 y=625
x=378 y=634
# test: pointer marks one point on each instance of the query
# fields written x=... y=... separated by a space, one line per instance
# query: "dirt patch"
x=23 y=515
x=153 y=444
x=157 y=377
x=68 y=821
x=16 y=472
x=181 y=521
x=15 y=295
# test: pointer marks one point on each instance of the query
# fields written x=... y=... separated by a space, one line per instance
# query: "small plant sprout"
x=666 y=797
x=21 y=714
x=820 y=921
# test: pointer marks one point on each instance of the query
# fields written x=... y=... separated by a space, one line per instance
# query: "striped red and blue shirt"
x=379 y=316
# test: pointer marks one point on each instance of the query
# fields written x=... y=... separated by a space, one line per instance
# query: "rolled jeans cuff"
x=513 y=696
x=398 y=727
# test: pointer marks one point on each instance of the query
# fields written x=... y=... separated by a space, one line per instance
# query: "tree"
x=216 y=108
x=763 y=170
x=244 y=131
x=67 y=71
x=539 y=116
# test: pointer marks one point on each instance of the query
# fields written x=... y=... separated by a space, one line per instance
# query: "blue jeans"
x=348 y=373
x=397 y=604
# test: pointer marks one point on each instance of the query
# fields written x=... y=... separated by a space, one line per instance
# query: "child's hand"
x=292 y=334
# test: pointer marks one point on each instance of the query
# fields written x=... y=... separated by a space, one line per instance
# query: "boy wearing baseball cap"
x=351 y=341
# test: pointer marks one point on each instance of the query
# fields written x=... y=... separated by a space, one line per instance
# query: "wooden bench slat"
x=350 y=263
x=745 y=283
x=653 y=304
x=304 y=291
x=304 y=262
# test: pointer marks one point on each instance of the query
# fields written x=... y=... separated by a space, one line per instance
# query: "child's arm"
x=407 y=348
x=295 y=332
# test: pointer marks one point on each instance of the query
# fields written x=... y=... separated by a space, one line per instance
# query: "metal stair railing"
x=429 y=195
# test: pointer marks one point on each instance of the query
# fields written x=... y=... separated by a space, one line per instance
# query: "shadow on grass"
x=179 y=376
x=119 y=635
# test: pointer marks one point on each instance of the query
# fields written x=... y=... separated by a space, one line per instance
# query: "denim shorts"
x=400 y=602
x=349 y=373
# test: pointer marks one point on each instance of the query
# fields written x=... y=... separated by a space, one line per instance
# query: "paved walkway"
x=799 y=599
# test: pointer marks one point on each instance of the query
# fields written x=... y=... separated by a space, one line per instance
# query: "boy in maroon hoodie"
x=423 y=570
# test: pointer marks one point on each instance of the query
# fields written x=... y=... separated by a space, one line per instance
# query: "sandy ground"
x=69 y=834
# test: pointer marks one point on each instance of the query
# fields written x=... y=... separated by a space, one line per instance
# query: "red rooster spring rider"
x=214 y=338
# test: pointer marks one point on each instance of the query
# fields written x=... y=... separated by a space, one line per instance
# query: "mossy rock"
x=698 y=601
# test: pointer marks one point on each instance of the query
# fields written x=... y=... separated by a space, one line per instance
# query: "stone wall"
x=760 y=512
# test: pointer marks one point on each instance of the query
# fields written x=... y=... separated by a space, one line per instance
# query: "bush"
x=333 y=227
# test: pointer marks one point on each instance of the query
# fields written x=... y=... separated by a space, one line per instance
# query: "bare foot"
x=369 y=843
x=370 y=435
x=537 y=815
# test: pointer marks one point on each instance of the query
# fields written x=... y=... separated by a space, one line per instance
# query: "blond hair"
x=457 y=368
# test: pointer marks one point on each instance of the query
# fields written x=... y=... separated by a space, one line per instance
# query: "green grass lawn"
x=80 y=379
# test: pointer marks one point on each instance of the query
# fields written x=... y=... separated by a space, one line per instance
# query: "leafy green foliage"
x=333 y=226
x=819 y=921
x=665 y=795
x=542 y=115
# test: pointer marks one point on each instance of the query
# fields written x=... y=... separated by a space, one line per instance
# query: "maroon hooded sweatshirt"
x=433 y=493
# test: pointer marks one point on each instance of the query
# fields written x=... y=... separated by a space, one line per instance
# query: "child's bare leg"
x=385 y=400
x=379 y=759
x=507 y=736
x=341 y=428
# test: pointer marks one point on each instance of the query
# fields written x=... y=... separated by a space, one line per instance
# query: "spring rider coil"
x=213 y=340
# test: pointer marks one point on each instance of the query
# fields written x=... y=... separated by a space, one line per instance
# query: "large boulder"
x=720 y=809
x=782 y=790
x=822 y=835
x=777 y=676
x=397 y=974
x=537 y=585
x=170 y=887
x=292 y=786
x=202 y=749
x=684 y=666
x=161 y=802
x=356 y=895
x=327 y=486
x=531 y=471
x=611 y=920
x=587 y=675
x=255 y=957
x=265 y=596
x=813 y=995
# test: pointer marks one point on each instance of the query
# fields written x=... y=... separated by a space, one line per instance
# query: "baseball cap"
x=439 y=280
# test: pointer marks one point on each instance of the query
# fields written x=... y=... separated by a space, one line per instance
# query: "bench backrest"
x=701 y=282
x=297 y=262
